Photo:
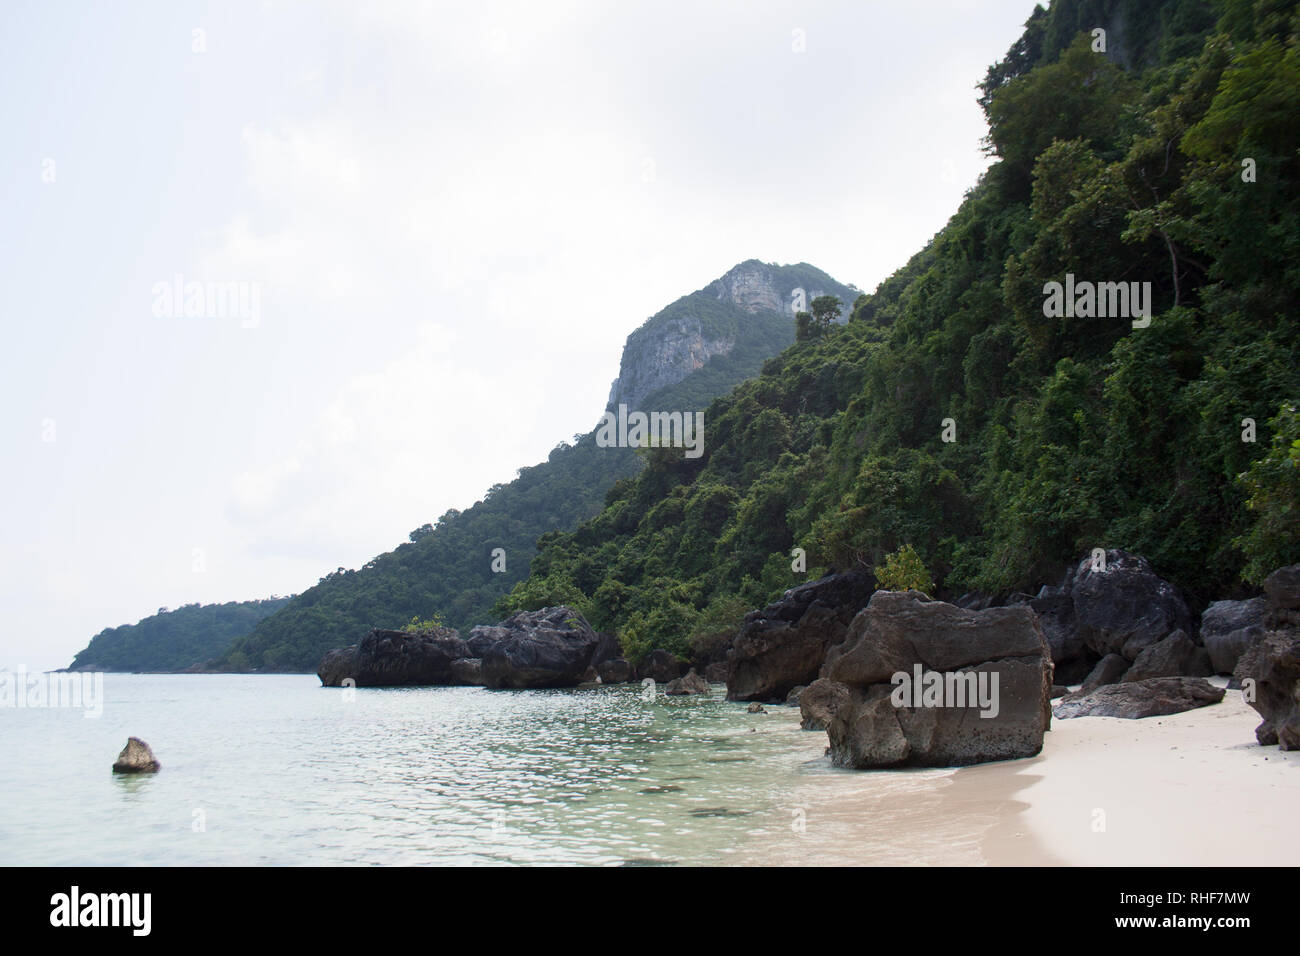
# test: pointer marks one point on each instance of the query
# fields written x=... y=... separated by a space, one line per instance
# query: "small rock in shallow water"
x=136 y=757
x=756 y=708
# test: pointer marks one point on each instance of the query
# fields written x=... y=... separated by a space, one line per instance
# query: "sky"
x=441 y=222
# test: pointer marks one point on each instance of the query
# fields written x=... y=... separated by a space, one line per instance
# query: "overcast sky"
x=452 y=215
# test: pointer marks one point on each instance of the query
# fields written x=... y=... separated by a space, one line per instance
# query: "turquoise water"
x=275 y=769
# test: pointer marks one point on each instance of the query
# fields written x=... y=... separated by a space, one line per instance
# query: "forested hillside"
x=960 y=413
x=174 y=640
x=703 y=344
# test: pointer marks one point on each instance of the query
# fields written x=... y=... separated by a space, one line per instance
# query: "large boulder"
x=785 y=644
x=692 y=683
x=337 y=666
x=1175 y=656
x=1132 y=700
x=408 y=658
x=1109 y=670
x=136 y=757
x=932 y=684
x=468 y=670
x=616 y=671
x=1071 y=655
x=1273 y=665
x=1121 y=606
x=1230 y=628
x=551 y=647
x=821 y=701
x=483 y=637
x=660 y=666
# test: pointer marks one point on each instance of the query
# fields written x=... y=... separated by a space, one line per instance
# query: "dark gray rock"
x=1071 y=655
x=408 y=658
x=1109 y=670
x=820 y=701
x=337 y=666
x=716 y=673
x=660 y=666
x=756 y=708
x=1000 y=653
x=1274 y=667
x=607 y=648
x=1156 y=697
x=1175 y=656
x=136 y=757
x=785 y=644
x=692 y=683
x=616 y=671
x=1230 y=628
x=468 y=670
x=483 y=637
x=1058 y=690
x=1125 y=608
x=551 y=647
x=1283 y=588
x=792 y=698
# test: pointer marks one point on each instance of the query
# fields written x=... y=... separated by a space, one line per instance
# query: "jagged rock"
x=407 y=658
x=660 y=666
x=1071 y=656
x=1175 y=656
x=468 y=670
x=819 y=703
x=1109 y=670
x=1155 y=697
x=337 y=665
x=551 y=647
x=716 y=673
x=692 y=683
x=755 y=708
x=483 y=637
x=1274 y=666
x=1058 y=690
x=1126 y=607
x=616 y=671
x=993 y=662
x=786 y=643
x=136 y=757
x=792 y=698
x=1283 y=588
x=1230 y=628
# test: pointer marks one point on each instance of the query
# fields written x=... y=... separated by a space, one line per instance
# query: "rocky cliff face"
x=713 y=321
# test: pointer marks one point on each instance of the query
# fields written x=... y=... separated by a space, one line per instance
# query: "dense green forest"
x=174 y=640
x=955 y=415
x=446 y=569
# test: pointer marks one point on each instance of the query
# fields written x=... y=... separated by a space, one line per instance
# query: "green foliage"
x=904 y=571
x=1272 y=485
x=175 y=640
x=1071 y=433
x=430 y=623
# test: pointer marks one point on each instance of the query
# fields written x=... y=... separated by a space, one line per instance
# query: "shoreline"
x=1189 y=789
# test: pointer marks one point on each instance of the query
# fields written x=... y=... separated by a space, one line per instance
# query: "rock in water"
x=1230 y=628
x=136 y=757
x=819 y=702
x=1124 y=607
x=468 y=670
x=616 y=671
x=552 y=647
x=756 y=708
x=660 y=666
x=337 y=666
x=786 y=643
x=408 y=658
x=1133 y=700
x=921 y=674
x=692 y=683
x=1274 y=665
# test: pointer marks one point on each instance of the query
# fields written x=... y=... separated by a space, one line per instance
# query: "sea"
x=278 y=770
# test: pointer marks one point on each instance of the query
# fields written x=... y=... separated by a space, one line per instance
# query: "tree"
x=904 y=571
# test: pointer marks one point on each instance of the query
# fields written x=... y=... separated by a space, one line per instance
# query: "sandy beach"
x=1189 y=789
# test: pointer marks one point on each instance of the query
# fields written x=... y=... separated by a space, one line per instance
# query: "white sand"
x=1189 y=789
